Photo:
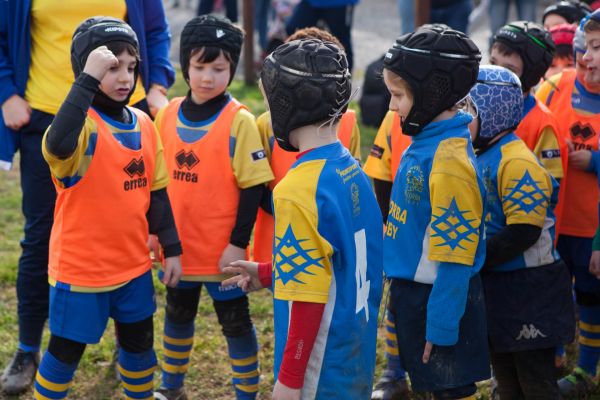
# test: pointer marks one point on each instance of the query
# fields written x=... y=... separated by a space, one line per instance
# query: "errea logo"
x=220 y=33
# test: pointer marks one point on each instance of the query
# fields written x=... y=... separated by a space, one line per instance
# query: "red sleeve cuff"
x=265 y=274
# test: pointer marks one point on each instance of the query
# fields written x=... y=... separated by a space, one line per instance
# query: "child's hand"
x=230 y=254
x=595 y=264
x=154 y=248
x=579 y=159
x=282 y=392
x=100 y=60
x=156 y=100
x=172 y=270
x=427 y=352
x=16 y=112
x=246 y=275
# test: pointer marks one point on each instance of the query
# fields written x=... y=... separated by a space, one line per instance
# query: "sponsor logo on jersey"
x=581 y=131
x=258 y=155
x=551 y=153
x=530 y=332
x=414 y=184
x=135 y=168
x=355 y=192
x=376 y=151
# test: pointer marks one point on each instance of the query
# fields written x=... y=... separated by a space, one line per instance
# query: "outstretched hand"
x=246 y=275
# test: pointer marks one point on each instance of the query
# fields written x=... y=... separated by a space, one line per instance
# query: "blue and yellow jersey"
x=328 y=249
x=69 y=171
x=519 y=191
x=434 y=232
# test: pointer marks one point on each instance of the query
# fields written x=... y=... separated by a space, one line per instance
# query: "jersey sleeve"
x=161 y=176
x=69 y=171
x=548 y=151
x=456 y=205
x=249 y=162
x=379 y=160
x=355 y=143
x=525 y=189
x=544 y=92
x=302 y=257
x=263 y=123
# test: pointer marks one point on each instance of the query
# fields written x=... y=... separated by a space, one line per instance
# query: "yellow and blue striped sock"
x=393 y=369
x=589 y=338
x=178 y=340
x=243 y=354
x=137 y=373
x=53 y=378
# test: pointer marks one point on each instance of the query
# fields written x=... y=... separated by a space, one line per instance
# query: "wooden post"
x=249 y=73
x=422 y=12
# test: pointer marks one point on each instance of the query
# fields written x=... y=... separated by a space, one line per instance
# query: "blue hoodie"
x=146 y=17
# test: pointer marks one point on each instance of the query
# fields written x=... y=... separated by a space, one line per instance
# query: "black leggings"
x=136 y=337
x=233 y=315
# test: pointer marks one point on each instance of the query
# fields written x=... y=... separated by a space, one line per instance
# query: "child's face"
x=581 y=69
x=553 y=20
x=119 y=80
x=592 y=56
x=558 y=64
x=402 y=100
x=512 y=62
x=208 y=80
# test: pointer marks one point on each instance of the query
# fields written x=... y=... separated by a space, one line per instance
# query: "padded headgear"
x=572 y=11
x=533 y=44
x=499 y=101
x=562 y=35
x=210 y=30
x=305 y=82
x=95 y=32
x=440 y=66
x=579 y=38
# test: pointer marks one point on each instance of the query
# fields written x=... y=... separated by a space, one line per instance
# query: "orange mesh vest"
x=281 y=162
x=203 y=190
x=530 y=129
x=100 y=233
x=580 y=212
x=399 y=143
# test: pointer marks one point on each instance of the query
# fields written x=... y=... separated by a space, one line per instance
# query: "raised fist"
x=100 y=60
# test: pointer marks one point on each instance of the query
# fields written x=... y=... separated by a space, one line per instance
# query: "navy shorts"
x=449 y=367
x=214 y=289
x=83 y=317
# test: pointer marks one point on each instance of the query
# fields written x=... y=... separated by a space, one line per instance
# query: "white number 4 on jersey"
x=362 y=284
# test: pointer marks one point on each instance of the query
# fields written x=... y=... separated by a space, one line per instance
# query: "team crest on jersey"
x=527 y=195
x=136 y=170
x=581 y=131
x=292 y=260
x=414 y=184
x=453 y=227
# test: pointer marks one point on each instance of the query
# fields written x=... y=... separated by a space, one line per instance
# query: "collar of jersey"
x=440 y=130
x=528 y=104
x=584 y=92
x=329 y=151
x=119 y=125
x=200 y=124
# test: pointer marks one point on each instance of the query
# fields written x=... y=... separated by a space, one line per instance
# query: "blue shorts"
x=82 y=317
x=214 y=289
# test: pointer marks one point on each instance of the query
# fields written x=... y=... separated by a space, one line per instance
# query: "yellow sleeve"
x=355 y=143
x=547 y=87
x=302 y=257
x=547 y=150
x=161 y=176
x=74 y=167
x=159 y=117
x=379 y=160
x=249 y=162
x=456 y=205
x=525 y=189
x=263 y=123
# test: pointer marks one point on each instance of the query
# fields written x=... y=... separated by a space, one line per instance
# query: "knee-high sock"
x=589 y=338
x=137 y=373
x=53 y=378
x=178 y=340
x=243 y=354
x=393 y=369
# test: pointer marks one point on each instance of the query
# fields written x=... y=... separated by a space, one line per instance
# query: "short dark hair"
x=118 y=47
x=209 y=54
x=504 y=49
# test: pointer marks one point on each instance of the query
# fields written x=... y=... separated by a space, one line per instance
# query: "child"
x=437 y=198
x=562 y=36
x=281 y=160
x=107 y=165
x=527 y=286
x=592 y=41
x=218 y=166
x=527 y=49
x=575 y=101
x=565 y=12
x=327 y=267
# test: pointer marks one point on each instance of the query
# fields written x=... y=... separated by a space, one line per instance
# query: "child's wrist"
x=265 y=274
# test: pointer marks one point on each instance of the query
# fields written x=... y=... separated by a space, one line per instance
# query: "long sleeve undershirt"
x=509 y=242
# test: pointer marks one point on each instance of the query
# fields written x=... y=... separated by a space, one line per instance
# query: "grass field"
x=209 y=373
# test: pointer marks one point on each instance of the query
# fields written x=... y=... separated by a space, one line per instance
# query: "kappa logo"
x=135 y=167
x=186 y=159
x=220 y=33
x=530 y=332
x=579 y=130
